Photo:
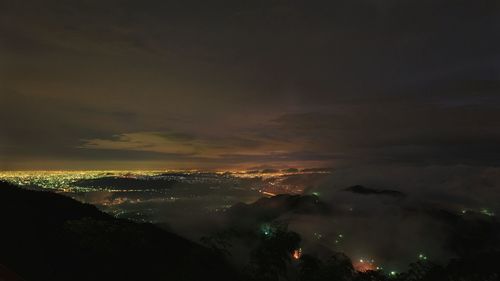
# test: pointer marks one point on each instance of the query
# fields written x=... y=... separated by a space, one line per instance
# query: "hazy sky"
x=228 y=84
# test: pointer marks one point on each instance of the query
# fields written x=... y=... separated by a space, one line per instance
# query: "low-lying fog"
x=391 y=215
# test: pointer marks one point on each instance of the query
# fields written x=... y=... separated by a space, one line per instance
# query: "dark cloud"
x=327 y=83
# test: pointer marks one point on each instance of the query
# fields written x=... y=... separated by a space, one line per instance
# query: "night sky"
x=217 y=85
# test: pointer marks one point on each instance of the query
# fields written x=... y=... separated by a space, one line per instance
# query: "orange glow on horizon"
x=364 y=265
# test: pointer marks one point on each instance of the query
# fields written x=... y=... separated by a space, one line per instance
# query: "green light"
x=315 y=194
x=266 y=229
x=393 y=273
x=487 y=212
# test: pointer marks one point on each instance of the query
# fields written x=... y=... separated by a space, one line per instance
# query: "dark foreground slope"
x=46 y=236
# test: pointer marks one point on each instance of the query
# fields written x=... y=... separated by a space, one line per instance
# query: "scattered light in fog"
x=266 y=229
x=487 y=212
x=318 y=235
x=297 y=253
x=363 y=265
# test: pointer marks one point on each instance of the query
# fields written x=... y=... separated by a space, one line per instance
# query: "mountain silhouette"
x=359 y=189
x=47 y=236
x=268 y=209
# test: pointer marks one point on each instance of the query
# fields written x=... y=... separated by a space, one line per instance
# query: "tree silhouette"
x=270 y=258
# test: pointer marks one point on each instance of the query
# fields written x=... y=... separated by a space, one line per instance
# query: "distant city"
x=131 y=194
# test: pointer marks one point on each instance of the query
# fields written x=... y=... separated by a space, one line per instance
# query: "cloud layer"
x=222 y=84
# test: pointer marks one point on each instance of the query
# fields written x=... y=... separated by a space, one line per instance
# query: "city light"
x=297 y=254
x=363 y=265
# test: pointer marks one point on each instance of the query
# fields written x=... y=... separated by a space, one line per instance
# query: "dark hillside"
x=46 y=236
